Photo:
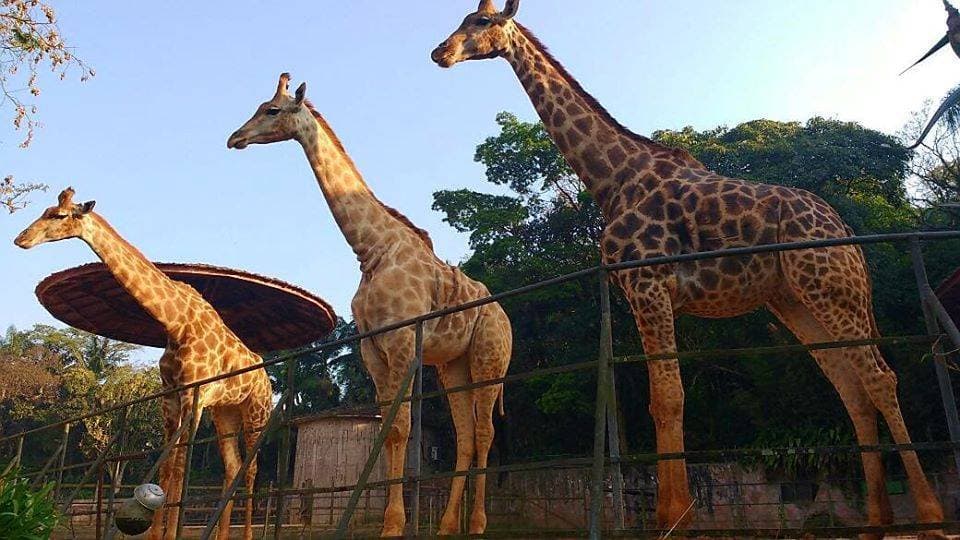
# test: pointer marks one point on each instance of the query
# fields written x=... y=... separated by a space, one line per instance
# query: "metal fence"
x=604 y=465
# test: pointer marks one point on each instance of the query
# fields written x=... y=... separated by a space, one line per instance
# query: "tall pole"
x=600 y=419
x=283 y=459
x=930 y=318
x=613 y=421
x=416 y=433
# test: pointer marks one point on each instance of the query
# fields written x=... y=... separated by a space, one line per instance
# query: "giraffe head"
x=279 y=119
x=482 y=34
x=65 y=220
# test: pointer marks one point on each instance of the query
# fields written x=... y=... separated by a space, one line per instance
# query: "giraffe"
x=199 y=346
x=660 y=201
x=401 y=279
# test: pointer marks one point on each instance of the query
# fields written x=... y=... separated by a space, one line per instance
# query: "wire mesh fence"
x=601 y=494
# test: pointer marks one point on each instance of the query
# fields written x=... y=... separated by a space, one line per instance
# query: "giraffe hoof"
x=478 y=525
x=391 y=532
x=448 y=530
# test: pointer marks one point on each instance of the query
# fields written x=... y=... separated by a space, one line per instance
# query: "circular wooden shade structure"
x=266 y=314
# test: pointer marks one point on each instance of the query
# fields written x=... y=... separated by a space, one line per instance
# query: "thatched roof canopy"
x=267 y=314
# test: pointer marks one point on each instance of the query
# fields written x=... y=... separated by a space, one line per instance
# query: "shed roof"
x=949 y=294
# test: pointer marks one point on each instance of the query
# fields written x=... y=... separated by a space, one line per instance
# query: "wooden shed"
x=331 y=451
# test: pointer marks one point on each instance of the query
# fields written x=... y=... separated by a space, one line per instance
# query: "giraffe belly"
x=700 y=294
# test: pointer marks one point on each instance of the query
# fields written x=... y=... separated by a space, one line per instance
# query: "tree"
x=934 y=165
x=77 y=347
x=329 y=377
x=53 y=374
x=144 y=421
x=30 y=39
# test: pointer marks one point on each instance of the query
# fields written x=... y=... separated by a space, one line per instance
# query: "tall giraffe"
x=401 y=279
x=199 y=346
x=660 y=201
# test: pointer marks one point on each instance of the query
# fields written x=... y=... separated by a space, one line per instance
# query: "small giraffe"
x=660 y=201
x=199 y=346
x=401 y=279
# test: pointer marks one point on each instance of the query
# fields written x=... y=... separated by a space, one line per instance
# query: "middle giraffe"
x=401 y=279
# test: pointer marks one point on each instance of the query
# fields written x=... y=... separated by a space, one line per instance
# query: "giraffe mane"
x=685 y=156
x=422 y=234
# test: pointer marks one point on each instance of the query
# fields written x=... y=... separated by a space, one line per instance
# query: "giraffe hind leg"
x=453 y=374
x=227 y=422
x=489 y=359
x=254 y=420
x=795 y=316
x=833 y=285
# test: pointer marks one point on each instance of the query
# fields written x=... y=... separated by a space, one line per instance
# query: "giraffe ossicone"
x=660 y=201
x=401 y=278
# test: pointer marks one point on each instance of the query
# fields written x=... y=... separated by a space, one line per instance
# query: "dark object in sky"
x=267 y=314
x=953 y=38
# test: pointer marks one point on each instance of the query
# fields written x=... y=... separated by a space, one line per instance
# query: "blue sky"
x=146 y=137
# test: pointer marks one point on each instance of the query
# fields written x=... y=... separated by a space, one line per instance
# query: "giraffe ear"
x=301 y=93
x=86 y=207
x=510 y=9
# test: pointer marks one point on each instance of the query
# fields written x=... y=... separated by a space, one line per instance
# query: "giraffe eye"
x=484 y=21
x=273 y=111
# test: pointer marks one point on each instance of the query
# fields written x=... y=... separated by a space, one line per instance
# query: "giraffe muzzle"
x=441 y=56
x=236 y=141
x=22 y=242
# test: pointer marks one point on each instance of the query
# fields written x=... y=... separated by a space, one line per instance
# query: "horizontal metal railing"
x=598 y=462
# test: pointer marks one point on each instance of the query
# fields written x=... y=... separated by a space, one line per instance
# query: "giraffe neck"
x=150 y=287
x=364 y=221
x=603 y=153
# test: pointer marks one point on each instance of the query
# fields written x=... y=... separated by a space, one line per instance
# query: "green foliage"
x=831 y=158
x=548 y=226
x=26 y=514
x=329 y=377
x=802 y=464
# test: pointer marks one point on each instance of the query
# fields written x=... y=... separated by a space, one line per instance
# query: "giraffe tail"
x=500 y=401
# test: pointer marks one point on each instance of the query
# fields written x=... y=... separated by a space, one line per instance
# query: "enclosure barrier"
x=606 y=456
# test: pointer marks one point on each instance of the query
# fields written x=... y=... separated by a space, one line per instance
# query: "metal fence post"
x=192 y=428
x=63 y=460
x=15 y=461
x=613 y=421
x=600 y=423
x=415 y=451
x=378 y=443
x=943 y=376
x=283 y=458
x=99 y=499
x=115 y=474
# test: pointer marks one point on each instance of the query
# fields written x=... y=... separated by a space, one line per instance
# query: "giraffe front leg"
x=170 y=408
x=175 y=493
x=387 y=379
x=652 y=308
x=395 y=519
